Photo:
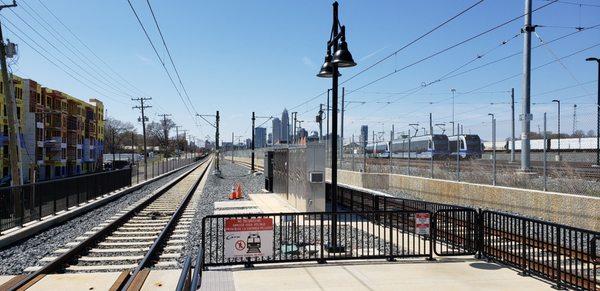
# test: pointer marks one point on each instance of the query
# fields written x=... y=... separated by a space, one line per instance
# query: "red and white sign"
x=248 y=238
x=422 y=223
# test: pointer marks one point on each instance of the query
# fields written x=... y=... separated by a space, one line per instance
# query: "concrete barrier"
x=574 y=210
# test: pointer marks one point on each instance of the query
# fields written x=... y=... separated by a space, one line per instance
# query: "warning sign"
x=248 y=238
x=422 y=223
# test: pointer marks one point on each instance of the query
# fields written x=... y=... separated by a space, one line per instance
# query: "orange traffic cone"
x=233 y=194
x=240 y=194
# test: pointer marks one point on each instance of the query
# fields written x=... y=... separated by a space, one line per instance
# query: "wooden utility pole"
x=142 y=107
x=11 y=108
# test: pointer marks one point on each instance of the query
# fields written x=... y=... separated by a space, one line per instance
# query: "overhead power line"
x=397 y=51
x=160 y=58
x=170 y=57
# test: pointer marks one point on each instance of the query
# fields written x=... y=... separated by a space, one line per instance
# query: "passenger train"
x=566 y=144
x=439 y=146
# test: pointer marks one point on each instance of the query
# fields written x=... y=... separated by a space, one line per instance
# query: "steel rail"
x=163 y=236
x=71 y=255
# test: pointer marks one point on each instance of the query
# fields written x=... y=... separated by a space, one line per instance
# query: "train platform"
x=446 y=274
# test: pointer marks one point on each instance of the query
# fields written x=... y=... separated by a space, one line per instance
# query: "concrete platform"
x=272 y=203
x=86 y=281
x=402 y=275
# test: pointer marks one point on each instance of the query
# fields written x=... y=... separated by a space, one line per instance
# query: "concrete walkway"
x=462 y=275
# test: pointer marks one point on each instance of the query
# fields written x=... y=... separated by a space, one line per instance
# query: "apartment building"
x=60 y=135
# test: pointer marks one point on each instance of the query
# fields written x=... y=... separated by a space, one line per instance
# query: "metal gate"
x=455 y=232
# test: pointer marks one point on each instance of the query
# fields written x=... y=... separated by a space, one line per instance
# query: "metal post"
x=353 y=152
x=512 y=139
x=218 y=170
x=390 y=148
x=334 y=247
x=252 y=163
x=526 y=101
x=453 y=91
x=409 y=152
x=327 y=125
x=321 y=122
x=458 y=153
x=598 y=119
x=431 y=143
x=494 y=150
x=545 y=152
x=10 y=105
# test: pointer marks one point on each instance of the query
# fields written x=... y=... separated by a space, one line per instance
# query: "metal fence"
x=308 y=237
x=29 y=202
x=158 y=167
x=566 y=255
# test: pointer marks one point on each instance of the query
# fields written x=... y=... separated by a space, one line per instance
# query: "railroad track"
x=150 y=233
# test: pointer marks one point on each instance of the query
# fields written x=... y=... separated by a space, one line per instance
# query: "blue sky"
x=244 y=56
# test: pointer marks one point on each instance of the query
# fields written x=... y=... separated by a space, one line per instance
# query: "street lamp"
x=558 y=103
x=453 y=91
x=341 y=59
x=597 y=60
x=493 y=148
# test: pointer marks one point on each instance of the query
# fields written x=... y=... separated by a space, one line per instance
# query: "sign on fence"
x=248 y=238
x=422 y=223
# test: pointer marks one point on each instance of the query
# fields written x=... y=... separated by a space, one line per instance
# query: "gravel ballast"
x=218 y=189
x=28 y=252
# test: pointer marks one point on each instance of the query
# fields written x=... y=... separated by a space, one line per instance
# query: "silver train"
x=566 y=144
x=439 y=146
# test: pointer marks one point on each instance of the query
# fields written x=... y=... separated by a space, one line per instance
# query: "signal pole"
x=526 y=100
x=512 y=139
x=142 y=107
x=252 y=163
x=13 y=128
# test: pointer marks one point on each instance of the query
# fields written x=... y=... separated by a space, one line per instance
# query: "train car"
x=488 y=146
x=574 y=144
x=377 y=150
x=470 y=146
x=421 y=147
x=534 y=144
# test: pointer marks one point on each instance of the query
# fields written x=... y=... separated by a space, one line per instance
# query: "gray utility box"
x=306 y=177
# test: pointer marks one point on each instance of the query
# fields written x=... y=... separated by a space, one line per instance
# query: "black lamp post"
x=597 y=60
x=341 y=59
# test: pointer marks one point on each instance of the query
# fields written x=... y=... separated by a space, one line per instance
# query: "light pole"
x=597 y=60
x=558 y=150
x=493 y=148
x=341 y=59
x=217 y=170
x=254 y=117
x=453 y=91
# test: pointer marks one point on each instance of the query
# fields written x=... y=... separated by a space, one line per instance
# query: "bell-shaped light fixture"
x=327 y=69
x=343 y=57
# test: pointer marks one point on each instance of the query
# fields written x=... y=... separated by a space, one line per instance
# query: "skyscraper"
x=260 y=137
x=364 y=135
x=276 y=130
x=285 y=126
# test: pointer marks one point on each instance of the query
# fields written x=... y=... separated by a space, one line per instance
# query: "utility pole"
x=432 y=146
x=574 y=118
x=320 y=120
x=252 y=163
x=218 y=170
x=11 y=108
x=142 y=107
x=184 y=140
x=453 y=91
x=342 y=126
x=294 y=120
x=526 y=116
x=512 y=138
x=558 y=150
x=165 y=130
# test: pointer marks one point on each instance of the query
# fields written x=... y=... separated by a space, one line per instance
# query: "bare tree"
x=158 y=134
x=118 y=133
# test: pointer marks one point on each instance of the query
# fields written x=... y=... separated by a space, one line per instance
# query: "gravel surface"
x=218 y=189
x=27 y=253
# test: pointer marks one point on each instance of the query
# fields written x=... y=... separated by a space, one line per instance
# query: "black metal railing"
x=29 y=202
x=307 y=237
x=563 y=254
x=191 y=276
